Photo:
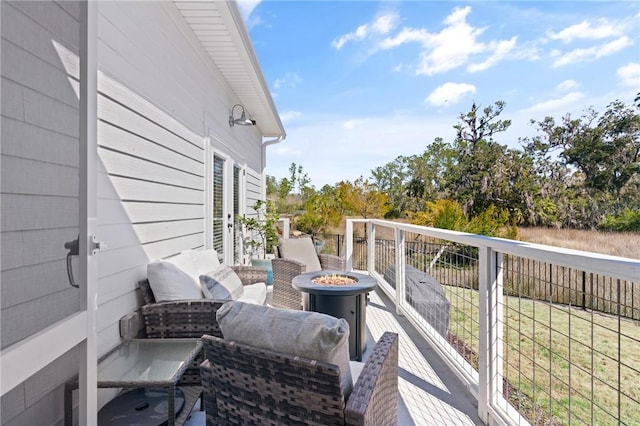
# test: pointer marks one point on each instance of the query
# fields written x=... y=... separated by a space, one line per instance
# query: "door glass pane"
x=237 y=232
x=218 y=206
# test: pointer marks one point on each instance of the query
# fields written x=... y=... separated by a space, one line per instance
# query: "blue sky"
x=358 y=83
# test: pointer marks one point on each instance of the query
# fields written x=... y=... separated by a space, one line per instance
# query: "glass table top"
x=141 y=361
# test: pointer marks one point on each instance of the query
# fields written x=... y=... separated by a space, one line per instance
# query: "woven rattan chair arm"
x=250 y=274
x=279 y=264
x=284 y=295
x=374 y=399
x=182 y=318
x=329 y=261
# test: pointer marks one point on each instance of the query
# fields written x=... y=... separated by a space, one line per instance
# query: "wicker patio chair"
x=246 y=385
x=285 y=268
x=188 y=318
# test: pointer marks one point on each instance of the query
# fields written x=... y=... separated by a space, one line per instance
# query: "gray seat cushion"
x=306 y=334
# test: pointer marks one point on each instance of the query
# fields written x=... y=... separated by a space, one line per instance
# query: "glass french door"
x=219 y=217
x=226 y=205
x=49 y=207
x=237 y=230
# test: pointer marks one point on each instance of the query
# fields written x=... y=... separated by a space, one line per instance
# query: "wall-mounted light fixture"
x=243 y=120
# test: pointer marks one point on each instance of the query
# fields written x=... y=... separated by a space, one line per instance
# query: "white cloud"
x=501 y=50
x=345 y=155
x=558 y=105
x=247 y=6
x=449 y=93
x=407 y=35
x=380 y=26
x=290 y=115
x=587 y=30
x=351 y=124
x=590 y=53
x=288 y=80
x=630 y=75
x=567 y=85
x=454 y=46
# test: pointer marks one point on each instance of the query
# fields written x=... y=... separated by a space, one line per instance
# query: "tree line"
x=581 y=172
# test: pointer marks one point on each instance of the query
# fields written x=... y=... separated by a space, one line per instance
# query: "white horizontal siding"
x=171 y=247
x=162 y=212
x=57 y=23
x=58 y=149
x=121 y=164
x=160 y=97
x=25 y=181
x=150 y=232
x=31 y=71
x=254 y=188
x=22 y=284
x=28 y=318
x=24 y=212
x=117 y=139
x=39 y=185
x=136 y=122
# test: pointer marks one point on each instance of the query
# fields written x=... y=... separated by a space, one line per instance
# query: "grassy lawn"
x=569 y=363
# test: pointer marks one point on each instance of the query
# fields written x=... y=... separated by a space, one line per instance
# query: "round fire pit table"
x=341 y=300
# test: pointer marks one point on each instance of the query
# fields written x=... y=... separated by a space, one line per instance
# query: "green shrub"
x=627 y=220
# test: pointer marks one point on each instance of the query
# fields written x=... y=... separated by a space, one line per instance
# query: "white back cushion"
x=169 y=281
x=204 y=260
x=301 y=250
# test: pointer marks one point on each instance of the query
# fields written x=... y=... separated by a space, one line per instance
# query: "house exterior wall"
x=39 y=185
x=160 y=98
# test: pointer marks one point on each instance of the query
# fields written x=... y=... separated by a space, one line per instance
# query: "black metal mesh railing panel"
x=567 y=341
x=570 y=346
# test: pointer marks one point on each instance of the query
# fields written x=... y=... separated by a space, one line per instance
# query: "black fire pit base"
x=340 y=301
x=351 y=308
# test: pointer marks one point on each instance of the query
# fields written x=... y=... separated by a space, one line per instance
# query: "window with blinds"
x=218 y=206
x=237 y=232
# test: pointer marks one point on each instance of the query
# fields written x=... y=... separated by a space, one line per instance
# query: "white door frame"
x=25 y=358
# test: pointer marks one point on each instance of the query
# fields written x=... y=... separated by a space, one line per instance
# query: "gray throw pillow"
x=306 y=334
x=222 y=283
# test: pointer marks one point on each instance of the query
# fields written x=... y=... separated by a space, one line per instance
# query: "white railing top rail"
x=612 y=266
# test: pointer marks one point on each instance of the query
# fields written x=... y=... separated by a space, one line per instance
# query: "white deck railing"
x=540 y=334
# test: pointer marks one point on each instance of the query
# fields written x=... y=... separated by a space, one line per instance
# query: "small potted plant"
x=259 y=236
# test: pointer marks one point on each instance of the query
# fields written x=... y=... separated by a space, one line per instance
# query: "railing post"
x=348 y=244
x=285 y=226
x=496 y=294
x=490 y=365
x=400 y=243
x=371 y=248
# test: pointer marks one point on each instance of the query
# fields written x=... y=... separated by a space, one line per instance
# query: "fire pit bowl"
x=334 y=283
x=341 y=294
x=334 y=279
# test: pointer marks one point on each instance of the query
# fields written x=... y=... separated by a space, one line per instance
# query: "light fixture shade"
x=243 y=120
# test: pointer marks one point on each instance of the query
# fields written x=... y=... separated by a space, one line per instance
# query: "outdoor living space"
x=544 y=358
x=429 y=392
x=134 y=133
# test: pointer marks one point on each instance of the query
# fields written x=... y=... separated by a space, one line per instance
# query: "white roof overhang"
x=219 y=27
